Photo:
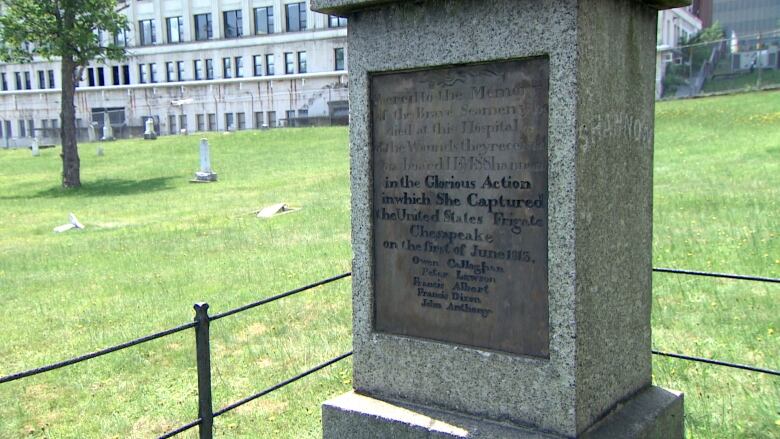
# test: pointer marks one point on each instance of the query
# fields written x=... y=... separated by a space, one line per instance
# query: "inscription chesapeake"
x=460 y=204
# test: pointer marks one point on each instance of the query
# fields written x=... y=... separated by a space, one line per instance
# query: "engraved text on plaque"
x=459 y=160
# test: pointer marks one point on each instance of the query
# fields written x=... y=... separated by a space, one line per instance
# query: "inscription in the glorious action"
x=460 y=204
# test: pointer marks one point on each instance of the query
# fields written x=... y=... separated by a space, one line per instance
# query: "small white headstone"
x=35 y=151
x=149 y=133
x=108 y=130
x=205 y=174
x=91 y=132
x=205 y=156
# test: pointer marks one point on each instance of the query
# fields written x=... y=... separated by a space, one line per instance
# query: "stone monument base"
x=204 y=177
x=653 y=413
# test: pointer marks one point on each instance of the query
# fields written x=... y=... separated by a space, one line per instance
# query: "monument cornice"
x=346 y=7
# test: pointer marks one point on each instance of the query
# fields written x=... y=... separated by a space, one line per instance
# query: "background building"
x=198 y=65
x=675 y=26
x=747 y=18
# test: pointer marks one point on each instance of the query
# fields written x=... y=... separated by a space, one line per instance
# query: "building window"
x=8 y=130
x=4 y=81
x=200 y=122
x=209 y=69
x=116 y=79
x=171 y=124
x=126 y=74
x=90 y=77
x=183 y=122
x=239 y=67
x=142 y=74
x=290 y=117
x=180 y=70
x=152 y=72
x=22 y=129
x=197 y=69
x=41 y=79
x=336 y=21
x=212 y=122
x=241 y=121
x=232 y=23
x=258 y=68
x=301 y=62
x=203 y=27
x=27 y=81
x=31 y=124
x=229 y=122
x=258 y=119
x=269 y=64
x=289 y=63
x=146 y=33
x=18 y=77
x=339 y=56
x=264 y=20
x=51 y=78
x=101 y=76
x=272 y=118
x=303 y=113
x=227 y=70
x=169 y=71
x=120 y=38
x=296 y=17
x=175 y=29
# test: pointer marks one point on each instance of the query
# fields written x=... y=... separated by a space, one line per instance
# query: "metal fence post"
x=203 y=356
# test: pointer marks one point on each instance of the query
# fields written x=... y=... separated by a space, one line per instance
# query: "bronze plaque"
x=459 y=161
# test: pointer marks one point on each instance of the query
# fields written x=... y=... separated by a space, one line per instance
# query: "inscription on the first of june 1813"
x=459 y=162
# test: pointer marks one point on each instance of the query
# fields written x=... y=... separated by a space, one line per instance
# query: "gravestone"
x=35 y=147
x=501 y=174
x=149 y=133
x=108 y=130
x=205 y=175
x=91 y=136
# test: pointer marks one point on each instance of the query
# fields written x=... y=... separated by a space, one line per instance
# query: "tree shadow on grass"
x=107 y=187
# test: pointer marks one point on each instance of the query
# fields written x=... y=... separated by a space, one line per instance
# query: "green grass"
x=744 y=81
x=717 y=208
x=155 y=244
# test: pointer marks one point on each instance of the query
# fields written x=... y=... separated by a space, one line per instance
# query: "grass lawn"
x=745 y=81
x=155 y=244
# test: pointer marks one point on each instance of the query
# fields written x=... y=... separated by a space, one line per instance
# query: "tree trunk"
x=70 y=153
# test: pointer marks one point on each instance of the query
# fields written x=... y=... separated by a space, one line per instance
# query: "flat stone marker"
x=501 y=172
x=273 y=210
x=73 y=223
x=205 y=175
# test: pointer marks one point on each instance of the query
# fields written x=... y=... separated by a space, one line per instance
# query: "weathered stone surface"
x=653 y=414
x=600 y=61
x=346 y=7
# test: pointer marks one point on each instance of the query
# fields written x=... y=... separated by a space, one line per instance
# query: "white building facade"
x=193 y=65
x=674 y=25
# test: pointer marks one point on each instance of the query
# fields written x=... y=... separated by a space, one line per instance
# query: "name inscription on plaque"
x=459 y=162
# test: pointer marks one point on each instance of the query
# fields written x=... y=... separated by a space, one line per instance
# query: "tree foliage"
x=59 y=28
x=68 y=30
x=700 y=45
